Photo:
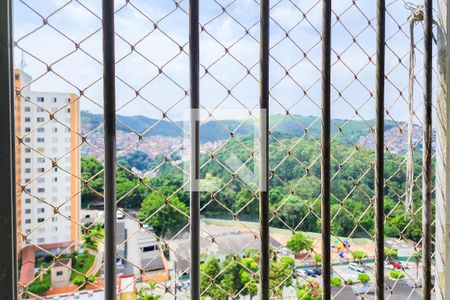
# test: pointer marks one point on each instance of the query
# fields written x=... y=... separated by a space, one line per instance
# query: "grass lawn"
x=82 y=265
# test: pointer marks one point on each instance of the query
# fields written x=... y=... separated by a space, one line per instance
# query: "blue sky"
x=226 y=71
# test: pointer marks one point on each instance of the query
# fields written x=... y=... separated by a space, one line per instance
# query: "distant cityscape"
x=62 y=244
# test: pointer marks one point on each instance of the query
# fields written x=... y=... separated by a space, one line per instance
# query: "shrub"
x=91 y=278
x=318 y=258
x=363 y=278
x=309 y=291
x=390 y=253
x=79 y=280
x=288 y=260
x=359 y=255
x=336 y=281
x=39 y=287
x=300 y=242
x=396 y=274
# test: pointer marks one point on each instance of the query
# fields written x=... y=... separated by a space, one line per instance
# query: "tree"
x=288 y=260
x=396 y=274
x=390 y=253
x=280 y=276
x=417 y=258
x=248 y=277
x=232 y=278
x=147 y=292
x=363 y=278
x=318 y=258
x=359 y=256
x=292 y=211
x=309 y=291
x=165 y=216
x=40 y=285
x=130 y=193
x=137 y=159
x=299 y=242
x=92 y=173
x=79 y=280
x=210 y=279
x=336 y=281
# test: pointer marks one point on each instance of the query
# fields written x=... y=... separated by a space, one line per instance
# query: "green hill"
x=346 y=131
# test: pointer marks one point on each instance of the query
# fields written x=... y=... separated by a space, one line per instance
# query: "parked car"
x=120 y=215
x=186 y=284
x=395 y=264
x=356 y=267
x=300 y=272
x=388 y=266
x=310 y=272
x=317 y=271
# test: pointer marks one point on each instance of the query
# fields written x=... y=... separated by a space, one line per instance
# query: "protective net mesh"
x=60 y=149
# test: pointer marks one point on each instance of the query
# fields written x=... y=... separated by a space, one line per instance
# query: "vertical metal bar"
x=379 y=155
x=194 y=61
x=8 y=246
x=109 y=111
x=264 y=149
x=427 y=150
x=326 y=149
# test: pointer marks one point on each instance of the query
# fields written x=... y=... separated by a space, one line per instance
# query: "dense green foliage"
x=396 y=274
x=390 y=253
x=166 y=216
x=299 y=242
x=139 y=160
x=336 y=281
x=309 y=291
x=363 y=278
x=147 y=292
x=239 y=276
x=294 y=187
x=38 y=287
x=359 y=255
x=81 y=263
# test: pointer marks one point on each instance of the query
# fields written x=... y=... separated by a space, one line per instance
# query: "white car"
x=120 y=215
x=356 y=267
x=388 y=266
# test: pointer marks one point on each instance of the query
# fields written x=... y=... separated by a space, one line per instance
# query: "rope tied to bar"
x=415 y=17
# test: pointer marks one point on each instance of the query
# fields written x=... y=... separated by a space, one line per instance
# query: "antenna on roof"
x=22 y=63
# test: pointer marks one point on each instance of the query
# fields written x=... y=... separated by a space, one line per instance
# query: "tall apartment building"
x=42 y=186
